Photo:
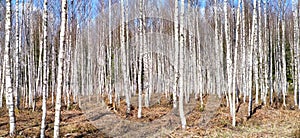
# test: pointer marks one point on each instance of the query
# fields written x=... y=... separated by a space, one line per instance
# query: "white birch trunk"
x=2 y=83
x=253 y=43
x=123 y=61
x=109 y=52
x=38 y=77
x=284 y=79
x=298 y=57
x=260 y=52
x=228 y=56
x=60 y=67
x=141 y=4
x=17 y=74
x=66 y=87
x=53 y=74
x=8 y=85
x=45 y=82
x=266 y=50
x=256 y=51
x=146 y=62
x=2 y=68
x=217 y=48
x=244 y=59
x=31 y=63
x=127 y=51
x=150 y=68
x=271 y=68
x=181 y=66
x=176 y=53
x=296 y=45
x=21 y=59
x=278 y=61
x=235 y=63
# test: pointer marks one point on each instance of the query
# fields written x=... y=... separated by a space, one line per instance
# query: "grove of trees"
x=60 y=50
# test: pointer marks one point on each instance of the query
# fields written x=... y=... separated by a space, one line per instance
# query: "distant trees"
x=265 y=52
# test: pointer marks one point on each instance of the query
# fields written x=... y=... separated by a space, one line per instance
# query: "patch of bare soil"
x=158 y=120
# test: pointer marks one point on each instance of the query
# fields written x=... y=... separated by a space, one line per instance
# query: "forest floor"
x=267 y=121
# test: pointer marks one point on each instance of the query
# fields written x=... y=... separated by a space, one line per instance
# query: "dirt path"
x=155 y=98
x=212 y=105
x=114 y=126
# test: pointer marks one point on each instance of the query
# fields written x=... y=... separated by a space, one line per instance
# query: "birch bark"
x=244 y=49
x=17 y=64
x=253 y=43
x=237 y=33
x=141 y=4
x=176 y=53
x=181 y=66
x=45 y=82
x=123 y=61
x=295 y=46
x=228 y=56
x=8 y=85
x=260 y=52
x=60 y=67
x=284 y=79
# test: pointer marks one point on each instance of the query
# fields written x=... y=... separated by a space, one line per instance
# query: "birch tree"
x=296 y=53
x=237 y=33
x=217 y=47
x=256 y=47
x=283 y=56
x=260 y=51
x=8 y=85
x=295 y=46
x=252 y=44
x=176 y=53
x=266 y=52
x=2 y=85
x=109 y=52
x=228 y=56
x=17 y=69
x=45 y=82
x=32 y=90
x=60 y=67
x=181 y=66
x=123 y=61
x=298 y=57
x=244 y=52
x=141 y=4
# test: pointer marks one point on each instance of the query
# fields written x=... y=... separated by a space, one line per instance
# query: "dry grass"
x=157 y=110
x=266 y=121
x=73 y=123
